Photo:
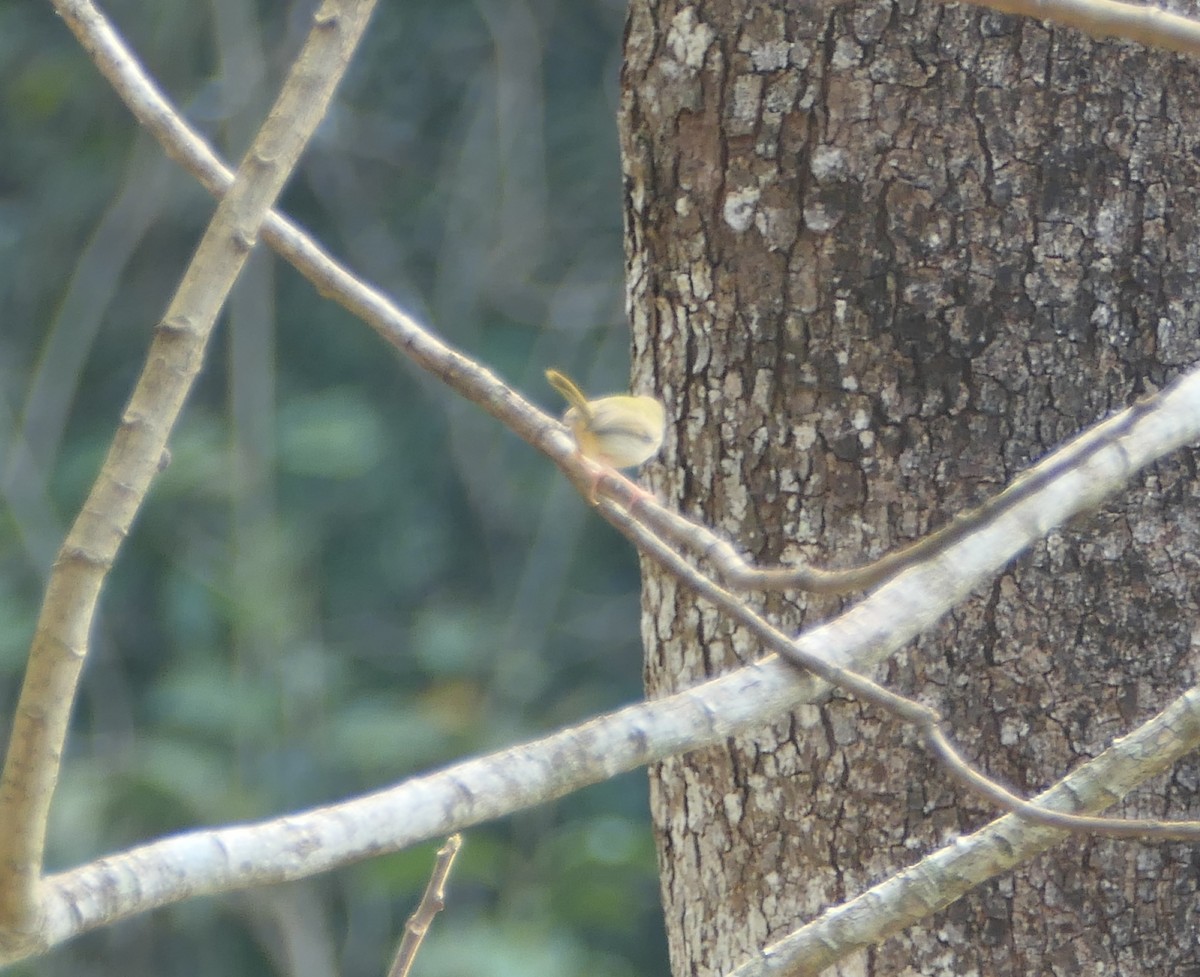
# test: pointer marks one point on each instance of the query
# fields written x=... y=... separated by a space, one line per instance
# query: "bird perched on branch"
x=620 y=431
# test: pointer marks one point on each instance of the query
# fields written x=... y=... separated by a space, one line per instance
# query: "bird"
x=621 y=431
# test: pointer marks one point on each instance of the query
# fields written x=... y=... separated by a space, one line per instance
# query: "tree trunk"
x=884 y=257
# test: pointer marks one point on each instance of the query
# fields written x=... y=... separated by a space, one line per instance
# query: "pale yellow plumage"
x=622 y=430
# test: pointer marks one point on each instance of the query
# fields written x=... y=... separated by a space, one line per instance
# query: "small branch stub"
x=432 y=903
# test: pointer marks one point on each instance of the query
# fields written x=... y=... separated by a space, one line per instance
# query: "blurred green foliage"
x=346 y=576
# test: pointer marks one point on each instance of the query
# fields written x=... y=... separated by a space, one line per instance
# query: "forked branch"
x=60 y=641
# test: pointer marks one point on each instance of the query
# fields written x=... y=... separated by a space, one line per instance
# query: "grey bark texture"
x=881 y=256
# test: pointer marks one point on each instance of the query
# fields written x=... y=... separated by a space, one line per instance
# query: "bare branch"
x=432 y=902
x=1107 y=18
x=61 y=639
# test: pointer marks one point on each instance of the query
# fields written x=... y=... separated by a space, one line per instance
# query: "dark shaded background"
x=346 y=576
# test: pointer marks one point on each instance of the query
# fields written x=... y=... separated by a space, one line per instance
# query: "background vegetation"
x=345 y=576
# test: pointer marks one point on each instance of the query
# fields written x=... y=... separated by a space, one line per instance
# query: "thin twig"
x=432 y=902
x=1141 y=829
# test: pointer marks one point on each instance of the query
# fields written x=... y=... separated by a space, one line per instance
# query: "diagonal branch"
x=176 y=354
x=332 y=280
x=946 y=875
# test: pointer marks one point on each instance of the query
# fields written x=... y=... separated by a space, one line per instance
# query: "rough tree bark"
x=881 y=257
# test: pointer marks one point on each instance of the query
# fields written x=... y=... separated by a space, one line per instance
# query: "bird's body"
x=622 y=431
